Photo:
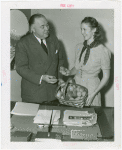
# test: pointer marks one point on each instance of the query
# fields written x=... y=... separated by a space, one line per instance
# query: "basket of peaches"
x=71 y=94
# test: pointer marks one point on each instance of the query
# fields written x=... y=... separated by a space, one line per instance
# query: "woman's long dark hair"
x=94 y=24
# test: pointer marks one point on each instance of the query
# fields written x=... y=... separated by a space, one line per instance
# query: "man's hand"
x=49 y=79
x=64 y=71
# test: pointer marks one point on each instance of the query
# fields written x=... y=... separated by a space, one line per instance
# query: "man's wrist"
x=41 y=79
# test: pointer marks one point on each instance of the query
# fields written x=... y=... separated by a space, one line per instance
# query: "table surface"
x=105 y=119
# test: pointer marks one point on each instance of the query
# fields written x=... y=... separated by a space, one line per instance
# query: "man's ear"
x=32 y=29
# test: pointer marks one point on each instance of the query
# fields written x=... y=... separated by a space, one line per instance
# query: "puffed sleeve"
x=105 y=58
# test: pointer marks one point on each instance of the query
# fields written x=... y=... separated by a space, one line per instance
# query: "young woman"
x=91 y=57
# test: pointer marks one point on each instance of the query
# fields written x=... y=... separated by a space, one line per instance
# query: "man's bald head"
x=33 y=17
x=39 y=26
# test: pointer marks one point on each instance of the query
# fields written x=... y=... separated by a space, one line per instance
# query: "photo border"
x=5 y=66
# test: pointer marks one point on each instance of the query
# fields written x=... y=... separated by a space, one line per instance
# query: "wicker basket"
x=65 y=101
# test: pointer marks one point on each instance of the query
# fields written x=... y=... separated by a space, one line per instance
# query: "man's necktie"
x=43 y=46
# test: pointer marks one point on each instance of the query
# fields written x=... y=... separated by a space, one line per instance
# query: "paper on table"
x=43 y=117
x=25 y=109
x=79 y=122
x=43 y=137
x=47 y=140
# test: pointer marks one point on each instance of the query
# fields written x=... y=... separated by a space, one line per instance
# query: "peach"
x=79 y=94
x=83 y=93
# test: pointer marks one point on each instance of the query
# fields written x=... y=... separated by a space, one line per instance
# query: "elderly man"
x=38 y=59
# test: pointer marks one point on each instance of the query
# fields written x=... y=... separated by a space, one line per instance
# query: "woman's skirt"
x=91 y=84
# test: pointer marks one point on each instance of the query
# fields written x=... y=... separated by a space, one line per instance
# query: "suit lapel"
x=50 y=53
x=47 y=59
x=38 y=47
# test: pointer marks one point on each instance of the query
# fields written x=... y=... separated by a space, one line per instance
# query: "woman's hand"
x=64 y=71
x=90 y=99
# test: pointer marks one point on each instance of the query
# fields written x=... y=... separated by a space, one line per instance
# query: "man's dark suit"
x=32 y=62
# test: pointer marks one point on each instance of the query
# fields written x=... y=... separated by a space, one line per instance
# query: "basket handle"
x=57 y=90
x=66 y=84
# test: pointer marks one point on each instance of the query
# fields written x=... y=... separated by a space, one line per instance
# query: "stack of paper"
x=25 y=109
x=79 y=118
x=43 y=117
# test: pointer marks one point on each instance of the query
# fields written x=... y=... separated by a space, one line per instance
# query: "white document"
x=47 y=140
x=25 y=109
x=43 y=117
x=83 y=118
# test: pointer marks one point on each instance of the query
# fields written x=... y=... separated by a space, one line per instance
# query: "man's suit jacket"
x=32 y=62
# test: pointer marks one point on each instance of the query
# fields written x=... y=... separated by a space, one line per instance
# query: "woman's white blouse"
x=99 y=58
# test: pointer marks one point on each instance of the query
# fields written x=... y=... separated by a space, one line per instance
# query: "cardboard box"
x=19 y=136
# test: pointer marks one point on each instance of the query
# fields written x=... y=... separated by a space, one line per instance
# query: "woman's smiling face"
x=87 y=31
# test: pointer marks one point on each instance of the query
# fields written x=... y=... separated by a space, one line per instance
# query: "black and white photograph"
x=64 y=75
